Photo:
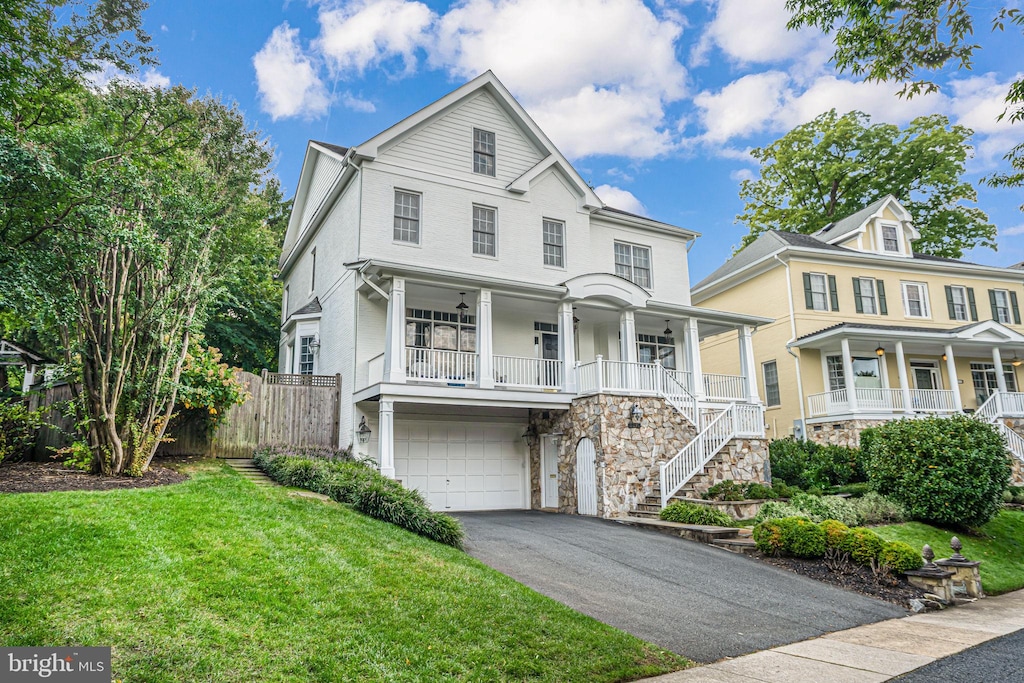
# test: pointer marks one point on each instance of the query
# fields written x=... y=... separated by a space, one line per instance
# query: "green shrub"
x=1007 y=496
x=776 y=510
x=769 y=536
x=855 y=490
x=757 y=491
x=783 y=489
x=1016 y=494
x=803 y=538
x=358 y=484
x=18 y=426
x=811 y=465
x=947 y=471
x=835 y=533
x=820 y=508
x=726 y=490
x=692 y=513
x=863 y=545
x=900 y=557
x=874 y=508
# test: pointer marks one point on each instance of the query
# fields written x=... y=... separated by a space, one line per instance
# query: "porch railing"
x=882 y=400
x=1002 y=404
x=441 y=365
x=520 y=371
x=729 y=387
x=613 y=375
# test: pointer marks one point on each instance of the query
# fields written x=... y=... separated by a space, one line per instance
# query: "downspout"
x=789 y=347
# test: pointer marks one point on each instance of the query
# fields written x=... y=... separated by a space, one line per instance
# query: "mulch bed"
x=855 y=578
x=41 y=477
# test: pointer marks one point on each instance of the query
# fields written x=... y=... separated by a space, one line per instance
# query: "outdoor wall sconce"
x=945 y=357
x=879 y=352
x=557 y=439
x=530 y=436
x=1016 y=361
x=314 y=345
x=636 y=414
x=364 y=431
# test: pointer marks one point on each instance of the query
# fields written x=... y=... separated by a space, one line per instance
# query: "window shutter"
x=1016 y=310
x=808 y=299
x=880 y=288
x=973 y=304
x=992 y=303
x=858 y=303
x=833 y=293
x=949 y=302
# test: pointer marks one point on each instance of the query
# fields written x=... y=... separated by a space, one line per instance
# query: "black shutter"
x=1016 y=310
x=808 y=296
x=992 y=303
x=949 y=303
x=833 y=293
x=882 y=308
x=973 y=304
x=858 y=303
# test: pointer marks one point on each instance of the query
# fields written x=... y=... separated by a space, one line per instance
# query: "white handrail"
x=1014 y=441
x=694 y=455
x=521 y=371
x=730 y=387
x=440 y=364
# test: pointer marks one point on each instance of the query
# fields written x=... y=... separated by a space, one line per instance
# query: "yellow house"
x=867 y=331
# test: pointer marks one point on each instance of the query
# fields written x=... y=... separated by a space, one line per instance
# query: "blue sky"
x=655 y=103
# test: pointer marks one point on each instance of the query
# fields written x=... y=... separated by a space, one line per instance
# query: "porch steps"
x=249 y=471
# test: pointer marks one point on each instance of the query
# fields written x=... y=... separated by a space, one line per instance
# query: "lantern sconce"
x=314 y=345
x=879 y=352
x=636 y=414
x=530 y=436
x=364 y=431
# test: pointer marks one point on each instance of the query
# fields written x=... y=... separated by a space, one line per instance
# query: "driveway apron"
x=702 y=602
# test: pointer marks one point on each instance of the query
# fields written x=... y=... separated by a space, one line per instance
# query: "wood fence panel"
x=238 y=435
x=58 y=427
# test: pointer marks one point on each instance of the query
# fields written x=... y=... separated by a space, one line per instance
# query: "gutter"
x=789 y=344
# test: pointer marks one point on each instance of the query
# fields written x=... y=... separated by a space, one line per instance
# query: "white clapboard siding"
x=324 y=174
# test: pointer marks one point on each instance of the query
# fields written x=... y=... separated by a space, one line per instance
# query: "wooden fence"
x=295 y=410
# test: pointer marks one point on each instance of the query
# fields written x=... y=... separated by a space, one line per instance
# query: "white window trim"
x=543 y=243
x=308 y=329
x=419 y=232
x=874 y=295
x=883 y=367
x=494 y=156
x=778 y=383
x=1008 y=307
x=828 y=294
x=900 y=238
x=967 y=303
x=650 y=261
x=923 y=363
x=284 y=304
x=926 y=307
x=472 y=230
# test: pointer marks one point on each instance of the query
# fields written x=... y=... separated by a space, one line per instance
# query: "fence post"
x=261 y=411
x=336 y=436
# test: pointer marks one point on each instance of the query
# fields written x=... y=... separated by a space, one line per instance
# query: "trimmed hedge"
x=863 y=545
x=900 y=557
x=808 y=464
x=692 y=513
x=816 y=508
x=795 y=536
x=730 y=490
x=835 y=533
x=358 y=484
x=947 y=471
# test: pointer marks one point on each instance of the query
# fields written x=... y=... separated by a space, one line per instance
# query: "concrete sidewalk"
x=870 y=653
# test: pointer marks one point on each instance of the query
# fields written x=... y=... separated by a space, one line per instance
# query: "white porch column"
x=30 y=377
x=386 y=438
x=484 y=340
x=627 y=337
x=567 y=346
x=394 y=334
x=691 y=335
x=954 y=381
x=997 y=359
x=901 y=370
x=848 y=381
x=748 y=368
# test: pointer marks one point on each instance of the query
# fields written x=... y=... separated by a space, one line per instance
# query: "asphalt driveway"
x=687 y=597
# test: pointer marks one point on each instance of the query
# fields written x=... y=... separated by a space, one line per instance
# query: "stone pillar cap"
x=933 y=573
x=950 y=562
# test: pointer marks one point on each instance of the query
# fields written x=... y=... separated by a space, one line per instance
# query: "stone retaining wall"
x=840 y=432
x=741 y=460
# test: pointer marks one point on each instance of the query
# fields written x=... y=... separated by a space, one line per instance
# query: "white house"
x=509 y=340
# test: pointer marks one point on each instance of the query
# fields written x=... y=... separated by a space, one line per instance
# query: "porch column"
x=691 y=336
x=627 y=337
x=386 y=438
x=747 y=364
x=394 y=334
x=901 y=369
x=997 y=359
x=954 y=382
x=567 y=346
x=484 y=340
x=848 y=381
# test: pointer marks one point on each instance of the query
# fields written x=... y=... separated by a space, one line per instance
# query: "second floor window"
x=890 y=238
x=483 y=152
x=407 y=217
x=869 y=296
x=820 y=292
x=306 y=355
x=633 y=263
x=915 y=300
x=771 y=383
x=485 y=231
x=1004 y=306
x=554 y=243
x=960 y=303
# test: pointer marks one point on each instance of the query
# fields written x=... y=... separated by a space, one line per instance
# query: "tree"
x=897 y=40
x=835 y=165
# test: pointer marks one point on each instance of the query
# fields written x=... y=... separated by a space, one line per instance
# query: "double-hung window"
x=915 y=300
x=633 y=262
x=960 y=303
x=868 y=294
x=816 y=291
x=651 y=348
x=306 y=355
x=485 y=231
x=554 y=243
x=771 y=383
x=483 y=152
x=890 y=238
x=407 y=217
x=1000 y=299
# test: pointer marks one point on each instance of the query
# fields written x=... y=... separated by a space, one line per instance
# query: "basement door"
x=586 y=478
x=463 y=465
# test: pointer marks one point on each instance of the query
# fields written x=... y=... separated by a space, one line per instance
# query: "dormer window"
x=891 y=239
x=483 y=152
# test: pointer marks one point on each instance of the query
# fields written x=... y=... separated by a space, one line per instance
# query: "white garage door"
x=463 y=465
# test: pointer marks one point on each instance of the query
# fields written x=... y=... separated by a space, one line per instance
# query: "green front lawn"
x=1000 y=548
x=218 y=580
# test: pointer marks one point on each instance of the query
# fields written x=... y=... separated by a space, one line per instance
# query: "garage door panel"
x=492 y=466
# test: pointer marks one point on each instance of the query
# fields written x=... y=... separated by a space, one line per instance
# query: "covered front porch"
x=881 y=372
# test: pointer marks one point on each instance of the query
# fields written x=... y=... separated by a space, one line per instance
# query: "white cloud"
x=287 y=79
x=618 y=198
x=151 y=78
x=1012 y=232
x=747 y=105
x=754 y=32
x=978 y=101
x=741 y=174
x=357 y=104
x=362 y=34
x=163 y=27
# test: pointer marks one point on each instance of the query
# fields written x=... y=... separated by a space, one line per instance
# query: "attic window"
x=483 y=152
x=890 y=238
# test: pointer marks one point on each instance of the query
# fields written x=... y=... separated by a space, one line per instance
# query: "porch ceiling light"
x=945 y=357
x=668 y=330
x=879 y=351
x=364 y=431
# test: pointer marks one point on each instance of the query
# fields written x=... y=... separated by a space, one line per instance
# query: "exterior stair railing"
x=996 y=407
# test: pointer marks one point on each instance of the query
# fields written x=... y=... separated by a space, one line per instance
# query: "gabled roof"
x=311 y=308
x=983 y=331
x=839 y=230
x=17 y=354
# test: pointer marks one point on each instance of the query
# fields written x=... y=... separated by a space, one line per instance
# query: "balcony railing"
x=730 y=387
x=440 y=365
x=879 y=400
x=612 y=375
x=519 y=371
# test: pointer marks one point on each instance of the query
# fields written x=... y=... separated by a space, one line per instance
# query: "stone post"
x=966 y=574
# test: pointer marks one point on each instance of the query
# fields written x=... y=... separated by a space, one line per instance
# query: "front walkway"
x=702 y=602
x=872 y=653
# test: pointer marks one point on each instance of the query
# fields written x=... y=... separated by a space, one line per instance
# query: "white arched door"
x=586 y=477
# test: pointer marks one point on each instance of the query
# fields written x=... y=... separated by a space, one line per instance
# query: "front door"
x=926 y=375
x=549 y=472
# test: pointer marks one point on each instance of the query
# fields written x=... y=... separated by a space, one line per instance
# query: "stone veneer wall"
x=1017 y=476
x=628 y=459
x=841 y=432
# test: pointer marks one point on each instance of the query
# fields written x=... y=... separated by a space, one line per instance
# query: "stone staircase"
x=246 y=468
